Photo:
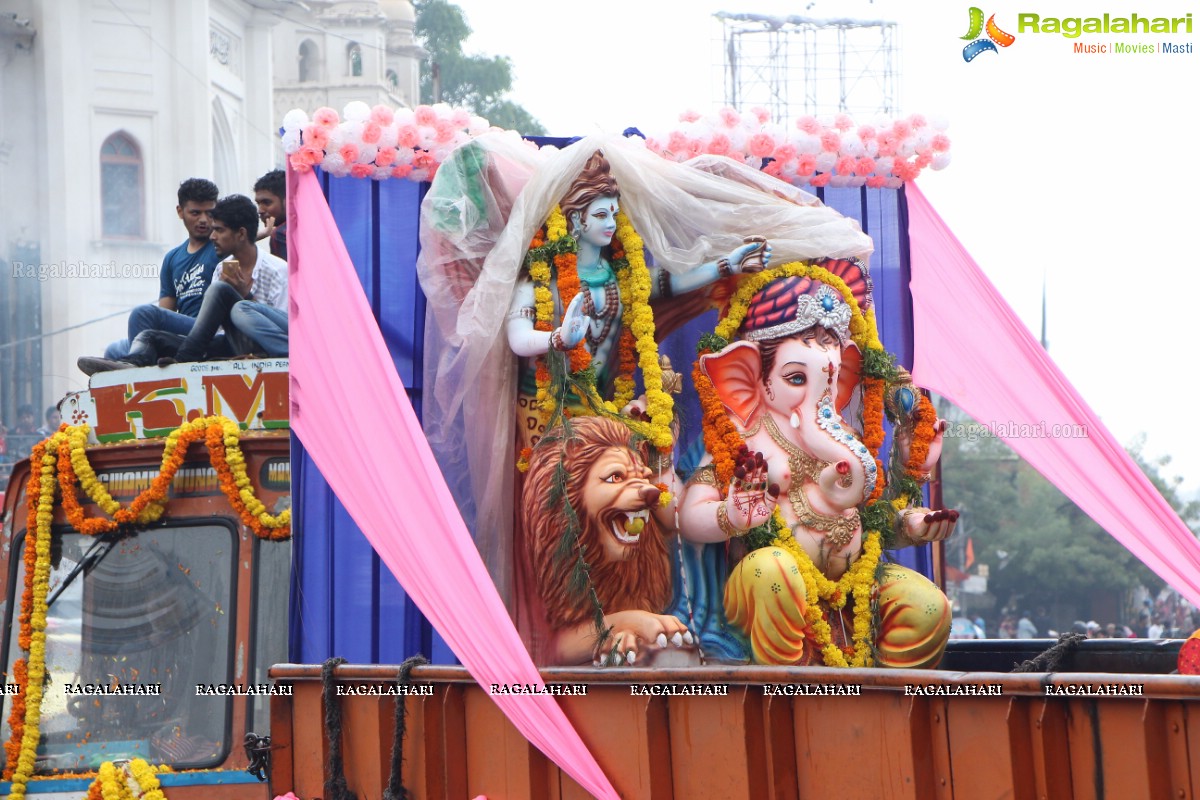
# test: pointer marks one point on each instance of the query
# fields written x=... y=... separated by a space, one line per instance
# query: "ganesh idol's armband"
x=522 y=338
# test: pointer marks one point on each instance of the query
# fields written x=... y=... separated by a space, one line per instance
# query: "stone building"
x=109 y=105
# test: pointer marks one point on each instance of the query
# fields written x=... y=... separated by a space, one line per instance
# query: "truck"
x=195 y=642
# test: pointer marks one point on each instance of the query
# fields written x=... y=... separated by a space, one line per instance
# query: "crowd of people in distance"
x=1167 y=617
x=222 y=292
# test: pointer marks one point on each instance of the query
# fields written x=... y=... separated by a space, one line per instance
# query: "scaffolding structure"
x=800 y=65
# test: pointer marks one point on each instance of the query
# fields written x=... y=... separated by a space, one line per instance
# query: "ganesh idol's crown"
x=826 y=308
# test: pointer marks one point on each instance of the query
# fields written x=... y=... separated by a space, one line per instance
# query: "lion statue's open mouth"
x=627 y=526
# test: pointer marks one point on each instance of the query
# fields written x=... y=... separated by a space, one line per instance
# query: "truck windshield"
x=127 y=642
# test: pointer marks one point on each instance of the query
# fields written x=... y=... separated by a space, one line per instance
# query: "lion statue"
x=621 y=523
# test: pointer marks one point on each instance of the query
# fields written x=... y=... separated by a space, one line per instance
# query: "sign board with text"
x=153 y=401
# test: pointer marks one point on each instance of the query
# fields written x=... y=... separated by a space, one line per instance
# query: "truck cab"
x=158 y=636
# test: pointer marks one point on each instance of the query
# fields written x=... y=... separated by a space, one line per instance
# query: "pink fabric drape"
x=387 y=478
x=973 y=349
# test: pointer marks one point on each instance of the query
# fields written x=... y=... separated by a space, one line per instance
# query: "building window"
x=121 y=193
x=392 y=79
x=354 y=55
x=309 y=62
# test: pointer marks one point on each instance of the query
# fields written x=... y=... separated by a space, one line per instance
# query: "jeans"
x=148 y=346
x=265 y=326
x=147 y=317
x=219 y=299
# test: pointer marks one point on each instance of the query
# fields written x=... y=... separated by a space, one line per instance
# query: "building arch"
x=309 y=59
x=122 y=188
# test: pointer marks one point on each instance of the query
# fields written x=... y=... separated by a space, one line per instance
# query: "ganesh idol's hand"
x=744 y=258
x=923 y=525
x=574 y=325
x=751 y=500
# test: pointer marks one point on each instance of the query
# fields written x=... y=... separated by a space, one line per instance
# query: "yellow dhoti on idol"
x=765 y=598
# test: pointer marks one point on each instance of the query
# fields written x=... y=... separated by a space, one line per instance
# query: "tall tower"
x=801 y=65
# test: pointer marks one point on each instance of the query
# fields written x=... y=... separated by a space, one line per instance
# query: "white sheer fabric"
x=481 y=211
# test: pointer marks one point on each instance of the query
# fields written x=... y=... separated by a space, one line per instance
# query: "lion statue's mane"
x=641 y=582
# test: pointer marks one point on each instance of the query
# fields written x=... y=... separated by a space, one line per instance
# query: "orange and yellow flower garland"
x=67 y=450
x=660 y=406
x=112 y=783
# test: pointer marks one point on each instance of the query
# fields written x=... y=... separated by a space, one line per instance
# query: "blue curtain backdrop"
x=344 y=603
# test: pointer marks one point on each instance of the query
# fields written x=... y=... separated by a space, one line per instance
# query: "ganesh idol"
x=795 y=386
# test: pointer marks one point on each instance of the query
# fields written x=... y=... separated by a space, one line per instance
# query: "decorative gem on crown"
x=826 y=308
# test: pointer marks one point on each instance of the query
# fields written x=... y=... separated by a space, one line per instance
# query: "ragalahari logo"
x=995 y=36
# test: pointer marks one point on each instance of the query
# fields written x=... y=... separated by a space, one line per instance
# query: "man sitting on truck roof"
x=270 y=193
x=248 y=298
x=186 y=272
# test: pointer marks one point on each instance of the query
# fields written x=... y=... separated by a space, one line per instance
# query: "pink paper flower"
x=315 y=136
x=843 y=123
x=348 y=152
x=422 y=159
x=866 y=132
x=761 y=145
x=693 y=148
x=876 y=181
x=311 y=155
x=407 y=136
x=385 y=157
x=820 y=179
x=460 y=118
x=689 y=116
x=773 y=168
x=719 y=144
x=830 y=141
x=371 y=132
x=761 y=114
x=905 y=171
x=923 y=159
x=808 y=125
x=402 y=171
x=865 y=166
x=918 y=121
x=846 y=165
x=326 y=117
x=729 y=117
x=382 y=115
x=362 y=170
x=901 y=128
x=424 y=115
x=677 y=142
x=445 y=131
x=940 y=143
x=785 y=152
x=806 y=164
x=297 y=162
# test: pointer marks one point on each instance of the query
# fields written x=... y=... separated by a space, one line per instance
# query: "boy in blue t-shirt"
x=186 y=272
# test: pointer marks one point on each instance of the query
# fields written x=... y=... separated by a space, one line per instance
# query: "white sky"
x=1084 y=166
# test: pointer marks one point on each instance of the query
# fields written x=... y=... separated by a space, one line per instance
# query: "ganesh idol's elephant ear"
x=850 y=375
x=735 y=373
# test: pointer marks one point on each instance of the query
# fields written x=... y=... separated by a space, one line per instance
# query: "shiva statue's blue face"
x=599 y=222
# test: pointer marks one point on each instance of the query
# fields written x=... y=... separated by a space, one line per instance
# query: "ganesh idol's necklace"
x=839 y=530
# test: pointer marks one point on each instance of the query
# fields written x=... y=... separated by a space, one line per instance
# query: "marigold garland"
x=858 y=581
x=65 y=452
x=660 y=406
x=923 y=432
